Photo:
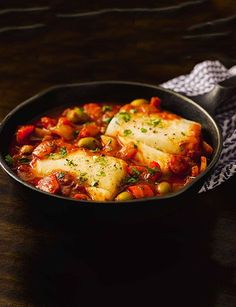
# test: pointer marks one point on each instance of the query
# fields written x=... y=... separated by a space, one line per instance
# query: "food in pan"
x=106 y=151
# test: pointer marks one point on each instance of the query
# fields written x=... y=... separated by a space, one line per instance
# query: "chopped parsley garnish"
x=70 y=162
x=125 y=116
x=9 y=159
x=51 y=155
x=106 y=108
x=107 y=120
x=135 y=172
x=156 y=122
x=82 y=177
x=132 y=180
x=100 y=159
x=102 y=174
x=24 y=160
x=153 y=171
x=63 y=152
x=127 y=132
x=143 y=130
x=133 y=111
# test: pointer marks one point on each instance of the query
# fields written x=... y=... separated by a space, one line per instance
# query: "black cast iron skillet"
x=121 y=92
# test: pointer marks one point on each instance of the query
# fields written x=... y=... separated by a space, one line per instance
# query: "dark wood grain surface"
x=188 y=259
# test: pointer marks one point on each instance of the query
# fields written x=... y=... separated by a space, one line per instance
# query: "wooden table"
x=187 y=259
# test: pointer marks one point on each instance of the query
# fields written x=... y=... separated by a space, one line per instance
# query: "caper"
x=163 y=187
x=26 y=149
x=77 y=115
x=139 y=102
x=123 y=196
x=89 y=143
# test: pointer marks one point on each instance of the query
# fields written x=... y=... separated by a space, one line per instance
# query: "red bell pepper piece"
x=93 y=110
x=43 y=149
x=81 y=196
x=154 y=170
x=128 y=151
x=179 y=165
x=141 y=190
x=155 y=102
x=49 y=184
x=89 y=130
x=23 y=134
x=48 y=122
x=136 y=169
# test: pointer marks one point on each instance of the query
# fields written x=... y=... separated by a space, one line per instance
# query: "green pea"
x=77 y=115
x=138 y=102
x=89 y=143
x=164 y=187
x=123 y=196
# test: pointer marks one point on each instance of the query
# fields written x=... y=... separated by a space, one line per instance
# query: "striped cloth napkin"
x=201 y=80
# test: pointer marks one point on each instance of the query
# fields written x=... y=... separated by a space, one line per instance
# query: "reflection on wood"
x=24 y=10
x=20 y=28
x=133 y=10
x=207 y=35
x=213 y=22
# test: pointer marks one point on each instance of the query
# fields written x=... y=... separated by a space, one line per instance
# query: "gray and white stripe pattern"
x=201 y=80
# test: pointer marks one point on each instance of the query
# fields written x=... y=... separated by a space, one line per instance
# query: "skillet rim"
x=84 y=203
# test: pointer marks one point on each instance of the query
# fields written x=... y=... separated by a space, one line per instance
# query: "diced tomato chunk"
x=24 y=171
x=179 y=165
x=167 y=115
x=44 y=148
x=107 y=116
x=93 y=110
x=152 y=173
x=136 y=170
x=154 y=170
x=147 y=109
x=128 y=151
x=155 y=102
x=113 y=111
x=23 y=134
x=64 y=121
x=49 y=184
x=89 y=130
x=48 y=122
x=127 y=108
x=155 y=165
x=81 y=196
x=141 y=190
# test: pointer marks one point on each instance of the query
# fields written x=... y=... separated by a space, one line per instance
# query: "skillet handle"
x=222 y=92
